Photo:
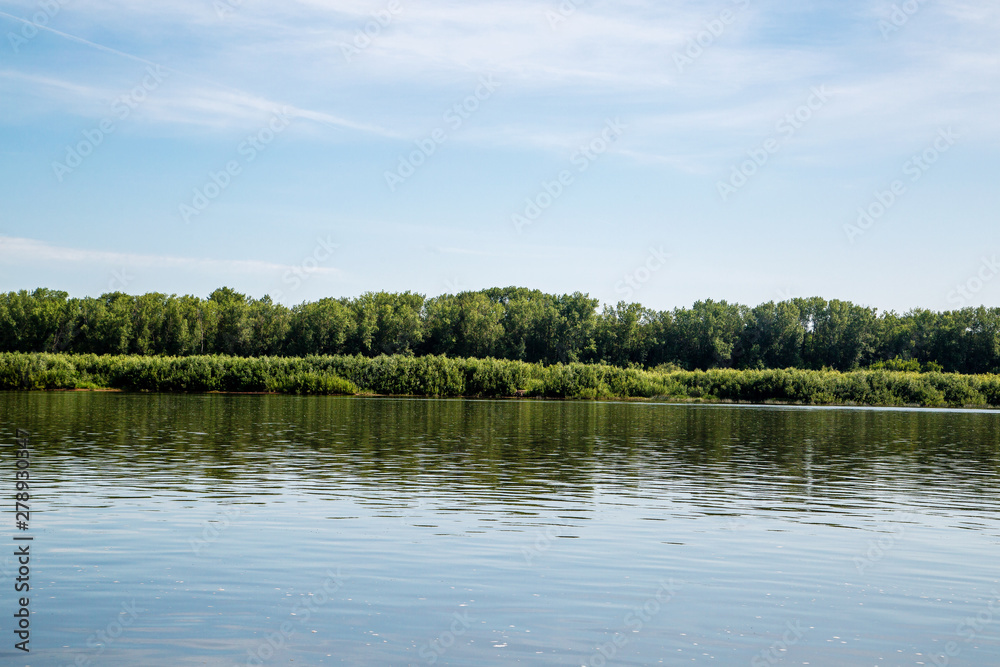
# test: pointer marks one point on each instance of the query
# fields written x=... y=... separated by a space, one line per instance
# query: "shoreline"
x=653 y=400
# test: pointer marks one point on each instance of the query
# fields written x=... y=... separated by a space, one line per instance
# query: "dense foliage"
x=179 y=374
x=507 y=323
x=434 y=375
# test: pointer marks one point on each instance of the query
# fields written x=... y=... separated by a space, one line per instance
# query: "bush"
x=312 y=383
x=446 y=376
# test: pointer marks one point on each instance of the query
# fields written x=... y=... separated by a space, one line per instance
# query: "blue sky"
x=706 y=149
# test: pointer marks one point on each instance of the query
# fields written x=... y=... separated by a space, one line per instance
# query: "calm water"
x=276 y=530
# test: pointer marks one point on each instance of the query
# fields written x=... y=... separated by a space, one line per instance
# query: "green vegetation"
x=434 y=375
x=911 y=365
x=170 y=374
x=508 y=323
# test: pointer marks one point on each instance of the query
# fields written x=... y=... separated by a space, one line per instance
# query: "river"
x=277 y=530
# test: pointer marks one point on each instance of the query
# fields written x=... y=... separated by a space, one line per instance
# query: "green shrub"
x=447 y=376
x=309 y=382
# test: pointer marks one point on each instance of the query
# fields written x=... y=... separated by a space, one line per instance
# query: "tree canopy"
x=505 y=323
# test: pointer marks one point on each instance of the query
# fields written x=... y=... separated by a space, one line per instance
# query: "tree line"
x=507 y=323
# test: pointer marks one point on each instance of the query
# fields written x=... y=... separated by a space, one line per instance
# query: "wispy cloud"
x=603 y=55
x=216 y=105
x=24 y=251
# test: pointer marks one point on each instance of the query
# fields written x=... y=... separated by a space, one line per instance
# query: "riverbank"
x=493 y=378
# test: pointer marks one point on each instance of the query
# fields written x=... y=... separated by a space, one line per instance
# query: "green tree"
x=577 y=327
x=234 y=329
x=773 y=337
x=39 y=321
x=708 y=333
x=441 y=324
x=623 y=334
x=479 y=327
x=176 y=337
x=269 y=325
x=148 y=313
x=321 y=327
x=662 y=336
x=388 y=323
x=843 y=336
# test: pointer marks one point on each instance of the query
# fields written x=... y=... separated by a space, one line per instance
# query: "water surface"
x=280 y=530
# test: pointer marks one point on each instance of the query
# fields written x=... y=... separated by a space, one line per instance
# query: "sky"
x=654 y=152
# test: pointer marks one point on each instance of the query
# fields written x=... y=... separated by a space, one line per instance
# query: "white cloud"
x=605 y=59
x=23 y=251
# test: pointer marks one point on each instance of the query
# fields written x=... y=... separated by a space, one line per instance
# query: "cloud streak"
x=220 y=102
x=624 y=53
x=23 y=251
